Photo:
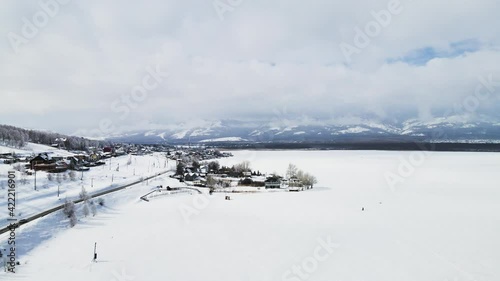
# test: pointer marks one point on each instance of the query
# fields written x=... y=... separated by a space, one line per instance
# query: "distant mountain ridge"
x=438 y=130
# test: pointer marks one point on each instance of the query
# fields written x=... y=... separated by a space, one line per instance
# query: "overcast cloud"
x=242 y=59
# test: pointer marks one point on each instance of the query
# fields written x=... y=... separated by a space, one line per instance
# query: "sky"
x=80 y=66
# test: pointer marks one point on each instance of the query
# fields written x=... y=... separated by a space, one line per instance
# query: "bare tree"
x=211 y=182
x=242 y=167
x=86 y=210
x=84 y=195
x=306 y=178
x=72 y=175
x=20 y=168
x=300 y=175
x=93 y=208
x=291 y=171
x=73 y=220
x=309 y=180
x=69 y=212
x=69 y=207
x=213 y=166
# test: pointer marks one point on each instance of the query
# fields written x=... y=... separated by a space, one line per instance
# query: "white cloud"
x=264 y=57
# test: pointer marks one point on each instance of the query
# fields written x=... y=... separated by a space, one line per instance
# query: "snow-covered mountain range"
x=451 y=129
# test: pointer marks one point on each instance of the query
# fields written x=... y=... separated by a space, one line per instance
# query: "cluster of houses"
x=84 y=160
x=55 y=163
x=188 y=154
x=58 y=164
x=12 y=158
x=204 y=175
x=196 y=176
x=292 y=184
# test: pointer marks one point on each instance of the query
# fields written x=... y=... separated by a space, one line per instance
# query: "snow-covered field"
x=441 y=221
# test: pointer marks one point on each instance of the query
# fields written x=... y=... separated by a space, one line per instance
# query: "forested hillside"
x=17 y=137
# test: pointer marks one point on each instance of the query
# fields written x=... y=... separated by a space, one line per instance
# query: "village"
x=195 y=166
x=240 y=177
x=62 y=160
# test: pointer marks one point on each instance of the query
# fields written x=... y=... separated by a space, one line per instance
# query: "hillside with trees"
x=17 y=137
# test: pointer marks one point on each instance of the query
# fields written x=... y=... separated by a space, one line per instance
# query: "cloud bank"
x=80 y=65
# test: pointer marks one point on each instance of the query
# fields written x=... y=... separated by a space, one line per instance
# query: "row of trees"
x=17 y=137
x=62 y=177
x=214 y=167
x=306 y=178
x=89 y=206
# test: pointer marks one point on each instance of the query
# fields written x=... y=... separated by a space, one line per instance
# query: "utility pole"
x=58 y=191
x=35 y=179
x=95 y=252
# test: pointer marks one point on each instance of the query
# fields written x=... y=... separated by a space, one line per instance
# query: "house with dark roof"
x=273 y=182
x=42 y=162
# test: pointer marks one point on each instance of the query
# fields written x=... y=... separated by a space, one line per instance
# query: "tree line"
x=18 y=137
x=304 y=177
